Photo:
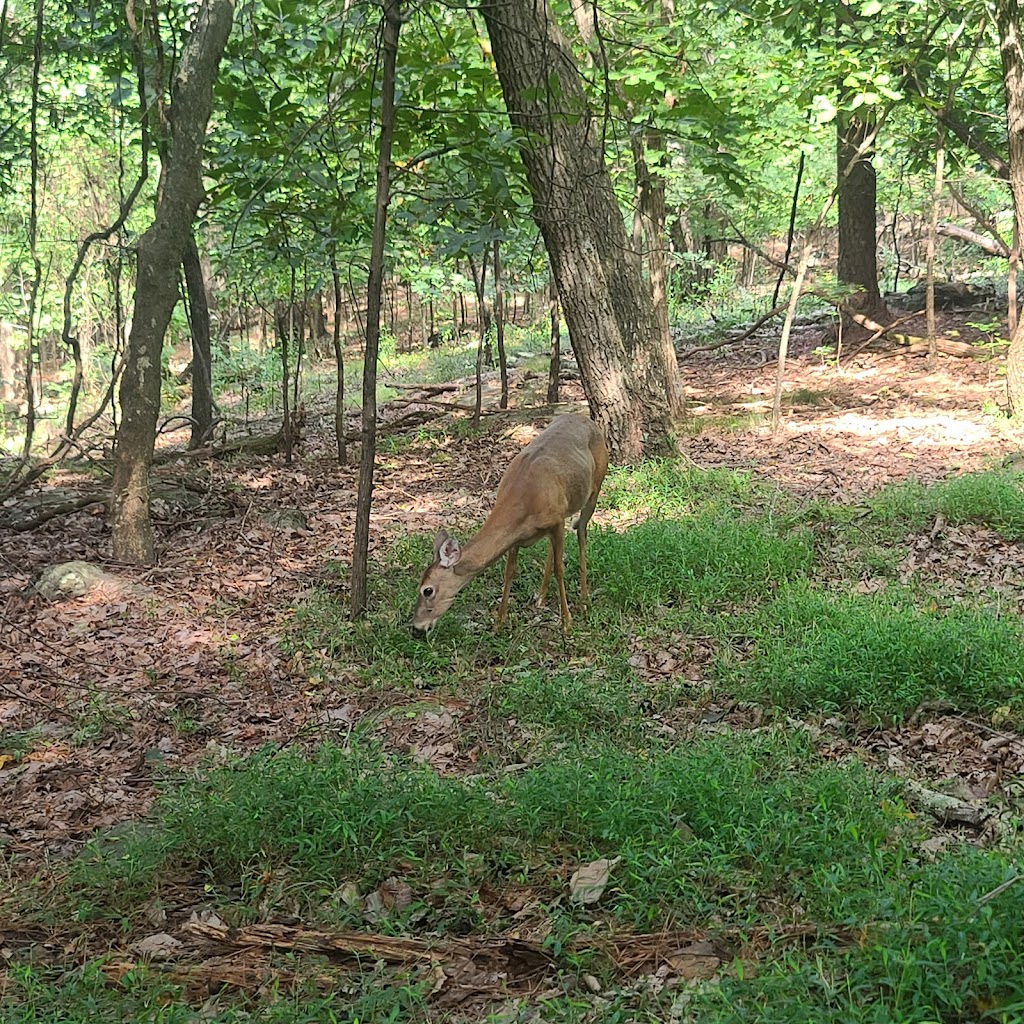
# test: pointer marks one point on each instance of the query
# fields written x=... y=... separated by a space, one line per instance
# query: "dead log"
x=993 y=246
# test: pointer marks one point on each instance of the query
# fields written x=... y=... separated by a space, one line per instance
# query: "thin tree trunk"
x=33 y=233
x=199 y=319
x=791 y=231
x=479 y=283
x=1008 y=17
x=651 y=210
x=555 y=367
x=933 y=226
x=160 y=250
x=339 y=358
x=499 y=326
x=1011 y=281
x=355 y=310
x=392 y=22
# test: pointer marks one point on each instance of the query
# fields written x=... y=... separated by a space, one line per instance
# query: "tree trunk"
x=499 y=326
x=160 y=250
x=858 y=265
x=555 y=367
x=1008 y=20
x=933 y=225
x=612 y=324
x=202 y=371
x=857 y=244
x=339 y=358
x=651 y=210
x=392 y=23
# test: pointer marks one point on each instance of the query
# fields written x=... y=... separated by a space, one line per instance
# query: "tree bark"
x=159 y=252
x=392 y=23
x=651 y=211
x=611 y=319
x=933 y=230
x=555 y=366
x=339 y=359
x=499 y=326
x=858 y=264
x=199 y=321
x=1008 y=20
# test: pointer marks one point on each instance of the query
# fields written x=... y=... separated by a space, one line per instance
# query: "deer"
x=559 y=473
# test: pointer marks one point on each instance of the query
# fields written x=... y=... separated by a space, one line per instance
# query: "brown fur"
x=558 y=473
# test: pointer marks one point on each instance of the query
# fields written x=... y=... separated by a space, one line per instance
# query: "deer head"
x=440 y=584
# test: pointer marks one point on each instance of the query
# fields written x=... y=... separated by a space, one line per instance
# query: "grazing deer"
x=558 y=473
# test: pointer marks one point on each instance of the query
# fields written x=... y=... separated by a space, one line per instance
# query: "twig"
x=997 y=891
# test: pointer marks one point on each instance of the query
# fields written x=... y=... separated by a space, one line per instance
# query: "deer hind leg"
x=580 y=526
x=510 y=572
x=542 y=594
x=558 y=565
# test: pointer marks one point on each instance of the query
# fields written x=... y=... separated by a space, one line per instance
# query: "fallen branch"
x=22 y=520
x=758 y=324
x=993 y=246
x=517 y=957
x=258 y=444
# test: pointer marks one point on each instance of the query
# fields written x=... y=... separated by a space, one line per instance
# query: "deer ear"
x=446 y=550
x=439 y=538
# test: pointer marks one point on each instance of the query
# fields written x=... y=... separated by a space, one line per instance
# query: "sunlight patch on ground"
x=915 y=430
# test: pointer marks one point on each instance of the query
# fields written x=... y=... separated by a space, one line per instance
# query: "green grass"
x=994 y=499
x=946 y=954
x=665 y=487
x=877 y=657
x=726 y=825
x=701 y=562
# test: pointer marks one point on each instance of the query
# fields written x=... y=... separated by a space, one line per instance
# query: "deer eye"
x=427 y=591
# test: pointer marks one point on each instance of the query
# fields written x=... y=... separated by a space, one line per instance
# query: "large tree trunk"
x=608 y=309
x=858 y=264
x=160 y=250
x=202 y=369
x=1008 y=19
x=392 y=23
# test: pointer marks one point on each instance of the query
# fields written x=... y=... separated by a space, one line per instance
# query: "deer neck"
x=493 y=540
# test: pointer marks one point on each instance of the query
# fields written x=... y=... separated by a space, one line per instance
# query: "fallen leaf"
x=157 y=947
x=588 y=883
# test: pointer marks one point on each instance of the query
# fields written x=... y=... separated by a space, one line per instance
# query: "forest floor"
x=802 y=696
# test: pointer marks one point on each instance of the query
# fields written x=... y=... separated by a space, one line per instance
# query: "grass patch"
x=666 y=488
x=994 y=499
x=85 y=995
x=878 y=659
x=576 y=702
x=704 y=562
x=945 y=954
x=725 y=826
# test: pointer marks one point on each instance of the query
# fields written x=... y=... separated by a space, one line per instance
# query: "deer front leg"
x=510 y=572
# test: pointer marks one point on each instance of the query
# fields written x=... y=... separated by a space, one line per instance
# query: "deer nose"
x=419 y=634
